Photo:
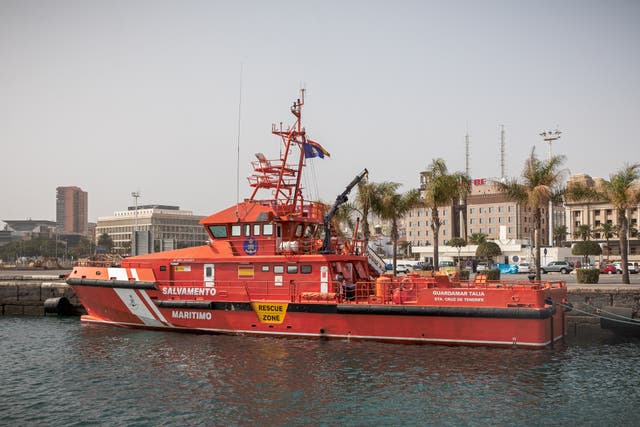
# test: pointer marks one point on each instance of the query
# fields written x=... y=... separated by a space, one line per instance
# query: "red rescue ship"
x=278 y=267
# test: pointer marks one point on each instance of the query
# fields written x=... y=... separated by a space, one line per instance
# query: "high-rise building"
x=72 y=212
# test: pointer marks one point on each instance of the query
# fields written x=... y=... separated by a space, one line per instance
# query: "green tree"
x=106 y=242
x=391 y=206
x=441 y=188
x=488 y=250
x=623 y=192
x=583 y=231
x=541 y=183
x=586 y=248
x=458 y=243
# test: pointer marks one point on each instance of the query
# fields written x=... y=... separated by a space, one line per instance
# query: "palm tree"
x=344 y=218
x=441 y=188
x=541 y=184
x=477 y=238
x=623 y=193
x=583 y=231
x=608 y=231
x=367 y=193
x=559 y=234
x=391 y=206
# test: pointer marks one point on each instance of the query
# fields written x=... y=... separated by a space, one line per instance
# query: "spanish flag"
x=313 y=149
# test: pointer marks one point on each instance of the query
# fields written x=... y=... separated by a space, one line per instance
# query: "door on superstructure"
x=209 y=275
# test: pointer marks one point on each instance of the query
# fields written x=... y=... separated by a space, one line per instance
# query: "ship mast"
x=282 y=176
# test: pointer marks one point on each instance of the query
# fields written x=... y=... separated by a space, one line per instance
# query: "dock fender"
x=60 y=306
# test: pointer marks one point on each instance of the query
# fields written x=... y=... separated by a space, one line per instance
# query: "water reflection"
x=107 y=375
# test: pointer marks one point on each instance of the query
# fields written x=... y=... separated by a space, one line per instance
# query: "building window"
x=471 y=210
x=490 y=209
x=500 y=220
x=500 y=208
x=470 y=220
x=490 y=219
x=510 y=208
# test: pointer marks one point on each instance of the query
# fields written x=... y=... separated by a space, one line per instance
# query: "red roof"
x=246 y=212
x=206 y=252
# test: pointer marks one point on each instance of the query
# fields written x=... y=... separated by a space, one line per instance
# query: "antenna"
x=238 y=144
x=467 y=167
x=503 y=173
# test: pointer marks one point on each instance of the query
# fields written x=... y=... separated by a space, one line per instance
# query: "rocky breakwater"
x=37 y=295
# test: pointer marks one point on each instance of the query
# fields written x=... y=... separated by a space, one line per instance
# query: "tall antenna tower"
x=503 y=172
x=467 y=167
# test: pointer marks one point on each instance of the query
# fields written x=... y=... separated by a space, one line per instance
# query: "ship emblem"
x=250 y=246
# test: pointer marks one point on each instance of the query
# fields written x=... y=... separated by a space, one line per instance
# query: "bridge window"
x=299 y=230
x=292 y=269
x=235 y=230
x=264 y=268
x=256 y=229
x=218 y=231
x=305 y=269
x=267 y=229
x=278 y=269
x=247 y=230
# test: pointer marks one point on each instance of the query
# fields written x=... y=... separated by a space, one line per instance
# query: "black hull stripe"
x=394 y=310
x=120 y=284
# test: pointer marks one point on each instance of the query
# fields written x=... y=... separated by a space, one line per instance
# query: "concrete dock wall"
x=25 y=295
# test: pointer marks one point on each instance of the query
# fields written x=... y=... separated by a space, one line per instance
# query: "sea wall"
x=25 y=295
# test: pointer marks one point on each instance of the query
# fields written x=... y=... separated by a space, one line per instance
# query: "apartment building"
x=72 y=210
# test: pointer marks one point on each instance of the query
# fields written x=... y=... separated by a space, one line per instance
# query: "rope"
x=627 y=320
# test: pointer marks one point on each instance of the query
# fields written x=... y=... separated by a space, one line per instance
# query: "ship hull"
x=410 y=324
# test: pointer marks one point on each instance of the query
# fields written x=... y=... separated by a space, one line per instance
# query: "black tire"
x=564 y=271
x=609 y=272
x=543 y=271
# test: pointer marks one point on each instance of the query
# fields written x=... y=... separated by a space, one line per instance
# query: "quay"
x=25 y=293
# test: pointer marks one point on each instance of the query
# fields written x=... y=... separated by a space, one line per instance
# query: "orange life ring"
x=407 y=284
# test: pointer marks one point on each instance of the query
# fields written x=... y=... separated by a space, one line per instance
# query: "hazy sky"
x=118 y=96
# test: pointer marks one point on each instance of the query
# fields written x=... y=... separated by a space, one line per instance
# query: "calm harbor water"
x=55 y=371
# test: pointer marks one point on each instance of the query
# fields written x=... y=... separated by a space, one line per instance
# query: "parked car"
x=524 y=267
x=404 y=268
x=608 y=269
x=482 y=266
x=633 y=269
x=564 y=267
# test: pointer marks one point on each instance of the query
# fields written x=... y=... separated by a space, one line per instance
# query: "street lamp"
x=550 y=136
x=134 y=240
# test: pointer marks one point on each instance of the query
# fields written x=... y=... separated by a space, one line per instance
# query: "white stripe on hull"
x=133 y=302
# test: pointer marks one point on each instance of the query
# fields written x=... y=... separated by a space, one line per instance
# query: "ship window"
x=247 y=229
x=299 y=230
x=278 y=269
x=267 y=229
x=305 y=269
x=218 y=231
x=235 y=230
x=292 y=269
x=256 y=229
x=264 y=268
x=163 y=268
